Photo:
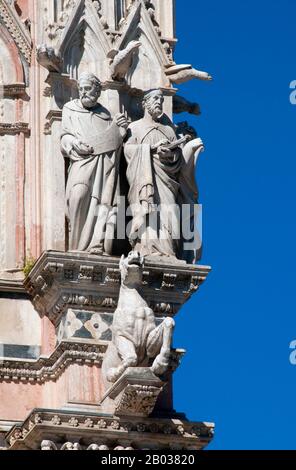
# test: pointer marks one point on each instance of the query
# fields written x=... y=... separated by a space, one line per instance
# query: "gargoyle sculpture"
x=183 y=73
x=122 y=60
x=181 y=105
x=47 y=57
x=136 y=340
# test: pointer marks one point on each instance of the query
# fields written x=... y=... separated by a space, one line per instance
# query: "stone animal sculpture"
x=181 y=105
x=47 y=57
x=122 y=60
x=183 y=73
x=136 y=340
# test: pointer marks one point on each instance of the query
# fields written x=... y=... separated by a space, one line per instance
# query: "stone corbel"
x=52 y=117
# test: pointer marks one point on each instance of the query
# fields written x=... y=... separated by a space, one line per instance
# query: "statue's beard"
x=155 y=111
x=89 y=101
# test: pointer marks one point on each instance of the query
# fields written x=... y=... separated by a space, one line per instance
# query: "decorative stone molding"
x=13 y=90
x=59 y=280
x=50 y=368
x=14 y=128
x=16 y=29
x=52 y=116
x=138 y=433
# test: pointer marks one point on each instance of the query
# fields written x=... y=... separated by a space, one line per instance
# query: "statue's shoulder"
x=136 y=125
x=72 y=105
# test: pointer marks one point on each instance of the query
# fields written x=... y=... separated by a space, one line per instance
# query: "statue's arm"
x=72 y=147
x=67 y=136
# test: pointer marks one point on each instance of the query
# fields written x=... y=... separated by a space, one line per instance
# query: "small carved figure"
x=122 y=60
x=48 y=445
x=136 y=340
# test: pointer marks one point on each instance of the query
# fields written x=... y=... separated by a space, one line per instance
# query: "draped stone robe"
x=92 y=185
x=153 y=182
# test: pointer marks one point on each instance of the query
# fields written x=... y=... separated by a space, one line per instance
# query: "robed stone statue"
x=92 y=140
x=161 y=177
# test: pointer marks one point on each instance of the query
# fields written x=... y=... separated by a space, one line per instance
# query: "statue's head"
x=131 y=268
x=153 y=103
x=90 y=89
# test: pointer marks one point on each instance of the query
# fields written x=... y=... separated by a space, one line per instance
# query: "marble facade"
x=57 y=306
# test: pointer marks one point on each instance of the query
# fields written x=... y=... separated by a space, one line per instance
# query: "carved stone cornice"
x=13 y=90
x=17 y=30
x=50 y=368
x=12 y=285
x=60 y=280
x=12 y=128
x=172 y=433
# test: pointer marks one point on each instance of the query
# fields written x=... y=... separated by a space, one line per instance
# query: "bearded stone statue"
x=92 y=141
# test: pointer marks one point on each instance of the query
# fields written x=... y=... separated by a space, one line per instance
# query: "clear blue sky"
x=238 y=327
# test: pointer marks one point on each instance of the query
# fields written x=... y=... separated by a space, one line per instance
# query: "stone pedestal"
x=134 y=394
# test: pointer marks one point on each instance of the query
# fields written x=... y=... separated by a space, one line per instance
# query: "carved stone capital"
x=135 y=393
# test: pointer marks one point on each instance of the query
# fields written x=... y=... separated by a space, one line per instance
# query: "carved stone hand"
x=81 y=148
x=122 y=123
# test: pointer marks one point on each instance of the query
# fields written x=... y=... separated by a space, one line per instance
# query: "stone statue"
x=136 y=340
x=159 y=171
x=92 y=141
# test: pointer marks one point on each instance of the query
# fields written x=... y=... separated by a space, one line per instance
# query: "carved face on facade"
x=89 y=90
x=153 y=103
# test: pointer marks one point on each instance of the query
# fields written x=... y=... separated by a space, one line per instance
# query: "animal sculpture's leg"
x=159 y=345
x=127 y=353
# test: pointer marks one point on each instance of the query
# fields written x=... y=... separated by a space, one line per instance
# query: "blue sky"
x=238 y=327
